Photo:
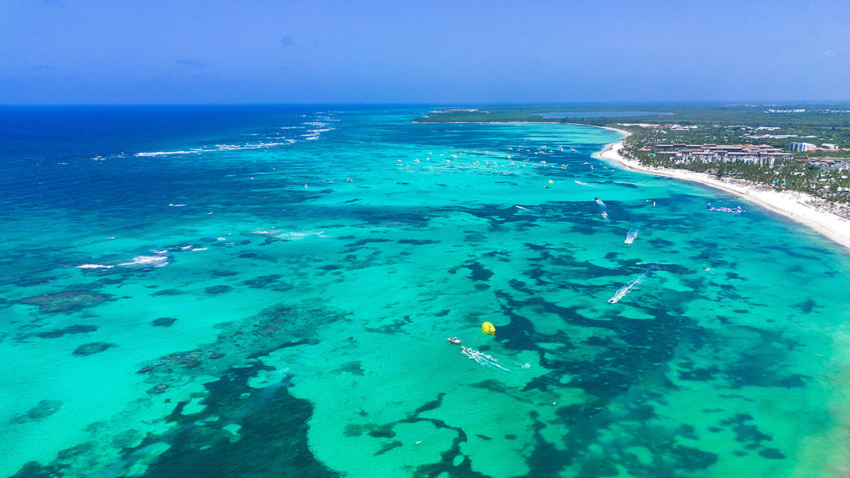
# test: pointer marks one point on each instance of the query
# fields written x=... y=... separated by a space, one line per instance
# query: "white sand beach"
x=803 y=208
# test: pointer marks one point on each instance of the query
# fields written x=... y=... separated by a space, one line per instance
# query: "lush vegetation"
x=818 y=173
x=804 y=174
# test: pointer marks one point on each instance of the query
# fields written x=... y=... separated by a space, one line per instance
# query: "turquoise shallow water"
x=202 y=292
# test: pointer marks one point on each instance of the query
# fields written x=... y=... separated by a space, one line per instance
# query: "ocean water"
x=268 y=291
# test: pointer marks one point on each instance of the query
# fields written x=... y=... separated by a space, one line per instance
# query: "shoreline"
x=792 y=205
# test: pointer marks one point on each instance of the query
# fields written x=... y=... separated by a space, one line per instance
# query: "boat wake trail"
x=482 y=358
x=603 y=209
x=631 y=286
x=633 y=232
x=527 y=209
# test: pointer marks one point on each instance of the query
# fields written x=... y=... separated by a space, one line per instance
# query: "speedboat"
x=454 y=340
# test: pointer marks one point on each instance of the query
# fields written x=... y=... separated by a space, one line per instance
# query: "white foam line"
x=156 y=261
x=167 y=153
x=483 y=359
x=632 y=234
x=628 y=288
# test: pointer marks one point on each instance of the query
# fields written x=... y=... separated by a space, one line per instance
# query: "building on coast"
x=795 y=146
x=761 y=154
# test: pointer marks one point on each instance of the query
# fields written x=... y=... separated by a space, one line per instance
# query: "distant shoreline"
x=793 y=205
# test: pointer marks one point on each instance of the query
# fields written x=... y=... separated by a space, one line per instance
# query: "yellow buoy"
x=488 y=328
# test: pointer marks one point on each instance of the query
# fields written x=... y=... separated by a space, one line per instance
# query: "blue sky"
x=129 y=52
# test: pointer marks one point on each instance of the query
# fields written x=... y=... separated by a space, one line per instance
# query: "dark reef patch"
x=432 y=405
x=92 y=348
x=394 y=327
x=163 y=322
x=272 y=438
x=259 y=257
x=745 y=433
x=687 y=431
x=36 y=470
x=479 y=272
x=354 y=367
x=446 y=466
x=33 y=281
x=167 y=292
x=689 y=372
x=762 y=369
x=363 y=242
x=73 y=329
x=660 y=243
x=262 y=281
x=623 y=353
x=772 y=453
x=221 y=273
x=68 y=301
x=691 y=459
x=807 y=306
x=270 y=240
x=520 y=286
x=418 y=242
x=626 y=185
x=44 y=409
x=475 y=238
x=271 y=329
x=492 y=385
x=387 y=447
x=218 y=289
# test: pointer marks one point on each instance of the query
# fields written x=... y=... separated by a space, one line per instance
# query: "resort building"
x=802 y=146
x=761 y=154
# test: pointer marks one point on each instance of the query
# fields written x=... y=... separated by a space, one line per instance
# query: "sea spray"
x=482 y=358
x=603 y=209
x=632 y=234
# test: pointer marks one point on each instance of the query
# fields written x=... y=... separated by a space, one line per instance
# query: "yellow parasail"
x=488 y=328
x=551 y=182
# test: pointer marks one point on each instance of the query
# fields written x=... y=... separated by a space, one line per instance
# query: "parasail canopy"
x=488 y=328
